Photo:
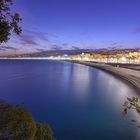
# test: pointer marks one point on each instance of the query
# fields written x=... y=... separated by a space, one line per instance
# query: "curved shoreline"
x=132 y=77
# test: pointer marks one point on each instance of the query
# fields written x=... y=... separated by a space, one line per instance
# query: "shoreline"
x=131 y=77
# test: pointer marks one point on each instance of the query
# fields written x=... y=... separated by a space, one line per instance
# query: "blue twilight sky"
x=66 y=24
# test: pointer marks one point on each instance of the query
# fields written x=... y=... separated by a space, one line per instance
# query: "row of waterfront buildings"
x=106 y=56
x=100 y=55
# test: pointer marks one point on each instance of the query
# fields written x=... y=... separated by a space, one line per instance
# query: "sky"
x=74 y=24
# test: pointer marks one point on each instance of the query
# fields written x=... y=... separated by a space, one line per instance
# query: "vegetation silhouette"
x=132 y=104
x=17 y=123
x=9 y=21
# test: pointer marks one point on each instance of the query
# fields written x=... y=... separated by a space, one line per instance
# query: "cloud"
x=114 y=43
x=41 y=50
x=33 y=38
x=137 y=31
x=56 y=47
x=39 y=35
x=5 y=48
x=1 y=49
x=28 y=40
x=75 y=48
x=64 y=44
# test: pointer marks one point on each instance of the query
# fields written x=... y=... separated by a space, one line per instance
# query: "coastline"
x=128 y=74
x=131 y=77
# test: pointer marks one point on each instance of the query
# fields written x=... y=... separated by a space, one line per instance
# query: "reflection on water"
x=79 y=102
x=81 y=79
x=119 y=92
x=116 y=90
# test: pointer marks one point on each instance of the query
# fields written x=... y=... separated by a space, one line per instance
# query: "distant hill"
x=48 y=53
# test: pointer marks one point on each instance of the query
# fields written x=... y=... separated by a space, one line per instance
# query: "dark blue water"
x=79 y=102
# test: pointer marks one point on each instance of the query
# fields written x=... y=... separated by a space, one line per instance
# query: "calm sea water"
x=79 y=102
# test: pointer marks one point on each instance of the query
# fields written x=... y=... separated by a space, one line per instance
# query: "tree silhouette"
x=9 y=21
x=132 y=103
x=17 y=123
